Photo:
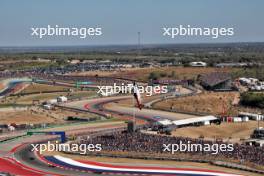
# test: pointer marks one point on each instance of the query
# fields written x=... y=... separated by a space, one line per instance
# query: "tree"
x=252 y=99
x=153 y=76
x=173 y=74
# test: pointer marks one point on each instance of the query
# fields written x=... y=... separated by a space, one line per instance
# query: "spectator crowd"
x=153 y=144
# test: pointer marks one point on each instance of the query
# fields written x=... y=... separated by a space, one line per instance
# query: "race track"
x=18 y=158
x=108 y=105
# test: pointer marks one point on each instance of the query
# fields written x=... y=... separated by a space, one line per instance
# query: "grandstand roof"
x=165 y=122
x=214 y=78
x=193 y=120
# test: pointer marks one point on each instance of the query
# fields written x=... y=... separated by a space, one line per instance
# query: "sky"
x=121 y=20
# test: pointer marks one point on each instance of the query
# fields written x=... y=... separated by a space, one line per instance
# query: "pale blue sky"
x=122 y=19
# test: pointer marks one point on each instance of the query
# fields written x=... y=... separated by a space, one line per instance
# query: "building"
x=216 y=81
x=232 y=64
x=251 y=116
x=257 y=138
x=198 y=64
x=62 y=99
x=258 y=133
x=75 y=61
x=255 y=142
x=197 y=121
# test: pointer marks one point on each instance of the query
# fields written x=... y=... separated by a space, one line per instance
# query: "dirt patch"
x=2 y=86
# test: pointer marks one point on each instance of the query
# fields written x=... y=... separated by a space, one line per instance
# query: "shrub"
x=252 y=99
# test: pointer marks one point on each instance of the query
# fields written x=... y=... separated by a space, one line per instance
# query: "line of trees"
x=155 y=75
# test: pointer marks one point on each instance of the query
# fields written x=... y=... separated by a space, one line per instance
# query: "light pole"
x=138 y=53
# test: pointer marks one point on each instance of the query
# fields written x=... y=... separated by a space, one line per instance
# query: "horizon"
x=121 y=20
x=136 y=45
x=121 y=48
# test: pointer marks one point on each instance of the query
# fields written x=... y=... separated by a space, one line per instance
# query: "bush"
x=154 y=76
x=252 y=99
x=163 y=74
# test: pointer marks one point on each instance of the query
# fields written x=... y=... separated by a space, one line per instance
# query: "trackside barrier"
x=12 y=138
x=236 y=166
x=43 y=92
x=61 y=133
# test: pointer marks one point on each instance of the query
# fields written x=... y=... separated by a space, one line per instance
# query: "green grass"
x=7 y=105
x=78 y=123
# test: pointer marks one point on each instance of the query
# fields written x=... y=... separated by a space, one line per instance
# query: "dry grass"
x=43 y=87
x=63 y=114
x=27 y=99
x=146 y=99
x=180 y=72
x=23 y=117
x=214 y=103
x=142 y=74
x=93 y=73
x=208 y=102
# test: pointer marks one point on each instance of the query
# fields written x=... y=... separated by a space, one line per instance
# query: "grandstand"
x=152 y=145
x=216 y=81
